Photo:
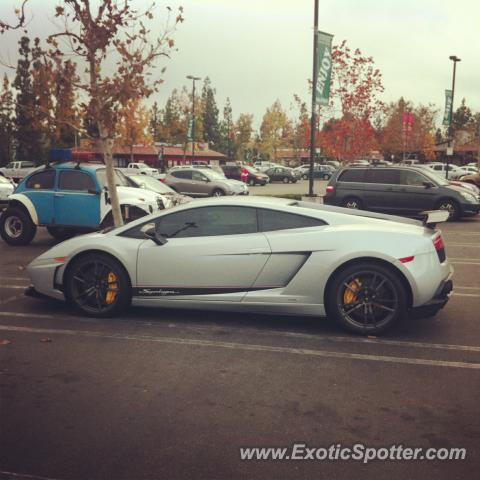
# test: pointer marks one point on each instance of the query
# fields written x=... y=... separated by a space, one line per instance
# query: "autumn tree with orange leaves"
x=355 y=90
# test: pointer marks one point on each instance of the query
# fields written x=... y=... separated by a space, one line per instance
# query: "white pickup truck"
x=140 y=169
x=17 y=170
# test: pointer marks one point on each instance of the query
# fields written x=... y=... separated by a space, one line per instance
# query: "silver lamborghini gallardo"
x=256 y=254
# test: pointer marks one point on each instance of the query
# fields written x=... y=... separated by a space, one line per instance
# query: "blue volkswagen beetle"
x=70 y=198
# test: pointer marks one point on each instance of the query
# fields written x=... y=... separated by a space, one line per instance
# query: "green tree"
x=7 y=123
x=27 y=135
x=211 y=127
x=225 y=144
x=155 y=125
x=463 y=119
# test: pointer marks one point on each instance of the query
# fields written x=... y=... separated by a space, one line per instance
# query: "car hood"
x=138 y=193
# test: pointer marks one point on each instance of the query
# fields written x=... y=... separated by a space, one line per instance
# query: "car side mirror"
x=150 y=231
x=428 y=184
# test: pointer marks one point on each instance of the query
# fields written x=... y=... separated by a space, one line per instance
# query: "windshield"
x=151 y=184
x=437 y=177
x=120 y=179
x=214 y=175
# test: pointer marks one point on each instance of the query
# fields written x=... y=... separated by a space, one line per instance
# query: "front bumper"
x=440 y=299
x=470 y=209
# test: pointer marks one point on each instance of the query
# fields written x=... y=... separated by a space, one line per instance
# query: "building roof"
x=201 y=150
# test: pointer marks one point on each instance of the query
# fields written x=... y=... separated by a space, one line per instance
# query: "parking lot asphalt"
x=163 y=394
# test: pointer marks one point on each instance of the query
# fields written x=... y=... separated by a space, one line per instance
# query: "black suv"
x=399 y=190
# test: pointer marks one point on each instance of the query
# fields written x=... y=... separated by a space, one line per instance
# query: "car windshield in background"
x=120 y=179
x=151 y=183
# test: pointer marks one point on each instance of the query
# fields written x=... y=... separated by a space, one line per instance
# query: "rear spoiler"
x=432 y=217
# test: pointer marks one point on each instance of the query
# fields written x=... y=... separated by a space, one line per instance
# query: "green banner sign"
x=447 y=115
x=324 y=67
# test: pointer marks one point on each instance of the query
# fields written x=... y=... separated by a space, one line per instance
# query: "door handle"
x=59 y=195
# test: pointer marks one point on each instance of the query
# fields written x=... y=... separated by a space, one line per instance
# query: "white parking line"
x=455 y=294
x=462 y=245
x=14 y=287
x=25 y=476
x=250 y=347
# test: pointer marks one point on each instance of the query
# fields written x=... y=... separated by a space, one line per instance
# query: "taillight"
x=440 y=248
x=330 y=189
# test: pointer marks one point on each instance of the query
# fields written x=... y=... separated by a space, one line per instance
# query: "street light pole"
x=313 y=120
x=193 y=79
x=454 y=59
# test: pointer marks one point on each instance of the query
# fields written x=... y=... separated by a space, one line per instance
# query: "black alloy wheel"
x=97 y=285
x=367 y=299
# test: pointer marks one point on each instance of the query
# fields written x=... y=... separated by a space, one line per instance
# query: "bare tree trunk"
x=107 y=150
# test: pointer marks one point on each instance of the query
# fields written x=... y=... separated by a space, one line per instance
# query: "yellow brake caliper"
x=349 y=296
x=112 y=284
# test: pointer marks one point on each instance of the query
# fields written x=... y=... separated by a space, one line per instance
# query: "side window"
x=10 y=165
x=271 y=220
x=183 y=174
x=208 y=221
x=42 y=180
x=383 y=175
x=412 y=178
x=437 y=167
x=76 y=181
x=352 y=175
x=198 y=177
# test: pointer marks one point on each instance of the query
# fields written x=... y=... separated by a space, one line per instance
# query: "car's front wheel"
x=218 y=193
x=16 y=227
x=366 y=298
x=451 y=206
x=97 y=285
x=251 y=182
x=286 y=180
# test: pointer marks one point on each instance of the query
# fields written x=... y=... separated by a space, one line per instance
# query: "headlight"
x=469 y=197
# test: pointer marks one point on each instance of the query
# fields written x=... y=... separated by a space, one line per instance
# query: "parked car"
x=253 y=177
x=170 y=197
x=264 y=166
x=17 y=170
x=367 y=271
x=7 y=186
x=282 y=174
x=67 y=199
x=334 y=163
x=470 y=169
x=203 y=183
x=473 y=179
x=411 y=162
x=216 y=168
x=402 y=190
x=319 y=171
x=135 y=168
x=454 y=172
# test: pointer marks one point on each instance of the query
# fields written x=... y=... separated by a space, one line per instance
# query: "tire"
x=251 y=182
x=98 y=286
x=285 y=180
x=326 y=177
x=16 y=227
x=305 y=177
x=377 y=296
x=294 y=180
x=61 y=233
x=352 y=202
x=218 y=192
x=450 y=205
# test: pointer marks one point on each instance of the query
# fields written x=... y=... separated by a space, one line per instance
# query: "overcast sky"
x=257 y=51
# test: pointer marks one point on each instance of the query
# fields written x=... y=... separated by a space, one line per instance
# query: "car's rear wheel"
x=305 y=177
x=218 y=192
x=16 y=227
x=97 y=285
x=366 y=298
x=61 y=233
x=352 y=202
x=451 y=206
x=326 y=177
